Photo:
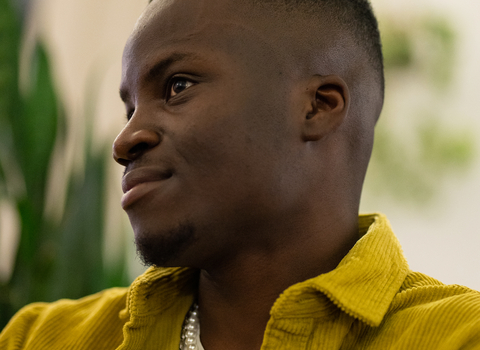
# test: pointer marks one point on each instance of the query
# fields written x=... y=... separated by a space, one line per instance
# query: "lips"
x=138 y=182
x=142 y=175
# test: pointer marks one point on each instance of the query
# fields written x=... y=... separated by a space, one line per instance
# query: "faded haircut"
x=353 y=17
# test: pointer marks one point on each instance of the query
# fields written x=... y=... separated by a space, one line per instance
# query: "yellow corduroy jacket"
x=370 y=301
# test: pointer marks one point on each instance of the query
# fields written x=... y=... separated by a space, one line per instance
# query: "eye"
x=179 y=84
x=130 y=114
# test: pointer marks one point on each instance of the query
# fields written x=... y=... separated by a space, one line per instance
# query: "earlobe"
x=329 y=100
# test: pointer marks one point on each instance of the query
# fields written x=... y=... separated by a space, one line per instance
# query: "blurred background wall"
x=425 y=171
x=62 y=230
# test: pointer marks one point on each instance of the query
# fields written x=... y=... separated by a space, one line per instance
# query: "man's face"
x=210 y=140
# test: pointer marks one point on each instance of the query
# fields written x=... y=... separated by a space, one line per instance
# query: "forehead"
x=199 y=29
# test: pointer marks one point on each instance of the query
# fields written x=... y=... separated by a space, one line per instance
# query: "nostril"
x=138 y=148
x=123 y=162
x=129 y=145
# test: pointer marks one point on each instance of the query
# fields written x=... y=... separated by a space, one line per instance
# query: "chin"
x=165 y=248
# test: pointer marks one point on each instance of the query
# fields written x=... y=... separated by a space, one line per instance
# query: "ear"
x=328 y=102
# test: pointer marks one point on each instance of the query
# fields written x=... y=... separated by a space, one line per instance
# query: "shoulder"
x=39 y=324
x=421 y=290
x=427 y=309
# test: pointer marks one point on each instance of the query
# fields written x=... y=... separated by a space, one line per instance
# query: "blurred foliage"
x=411 y=168
x=413 y=174
x=54 y=259
x=426 y=46
x=438 y=50
x=397 y=48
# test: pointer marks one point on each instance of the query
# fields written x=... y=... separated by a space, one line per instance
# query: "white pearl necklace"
x=191 y=329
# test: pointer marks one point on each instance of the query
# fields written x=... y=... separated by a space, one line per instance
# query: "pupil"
x=179 y=86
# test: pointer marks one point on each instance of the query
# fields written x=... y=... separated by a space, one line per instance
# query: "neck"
x=235 y=297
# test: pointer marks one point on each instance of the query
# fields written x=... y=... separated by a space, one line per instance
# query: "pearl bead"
x=191 y=327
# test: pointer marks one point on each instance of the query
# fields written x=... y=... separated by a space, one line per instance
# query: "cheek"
x=213 y=150
x=233 y=139
x=211 y=130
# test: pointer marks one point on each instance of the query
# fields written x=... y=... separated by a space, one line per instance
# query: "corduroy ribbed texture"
x=370 y=301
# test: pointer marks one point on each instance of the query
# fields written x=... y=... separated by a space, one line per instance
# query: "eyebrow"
x=159 y=67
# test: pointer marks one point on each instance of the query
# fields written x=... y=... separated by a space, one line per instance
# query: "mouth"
x=139 y=182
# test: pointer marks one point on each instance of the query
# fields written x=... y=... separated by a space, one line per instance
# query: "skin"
x=238 y=160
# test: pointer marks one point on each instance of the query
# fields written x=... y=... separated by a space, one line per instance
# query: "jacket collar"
x=159 y=288
x=363 y=285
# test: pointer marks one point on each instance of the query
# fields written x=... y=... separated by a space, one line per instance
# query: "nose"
x=132 y=142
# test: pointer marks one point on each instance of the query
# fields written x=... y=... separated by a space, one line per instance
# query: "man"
x=250 y=126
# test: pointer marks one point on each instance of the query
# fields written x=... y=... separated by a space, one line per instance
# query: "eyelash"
x=130 y=114
x=172 y=82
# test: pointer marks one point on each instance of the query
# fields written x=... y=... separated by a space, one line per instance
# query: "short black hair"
x=355 y=18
